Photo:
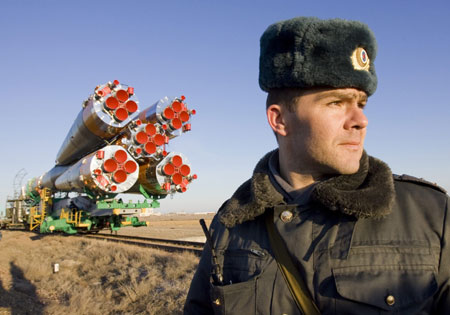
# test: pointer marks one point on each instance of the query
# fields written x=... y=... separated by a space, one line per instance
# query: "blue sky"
x=53 y=54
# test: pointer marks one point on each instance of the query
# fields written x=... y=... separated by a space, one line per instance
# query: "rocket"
x=113 y=147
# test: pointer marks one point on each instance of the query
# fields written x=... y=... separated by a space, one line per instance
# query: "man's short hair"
x=286 y=97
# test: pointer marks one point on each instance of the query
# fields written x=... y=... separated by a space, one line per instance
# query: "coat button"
x=217 y=302
x=390 y=300
x=286 y=216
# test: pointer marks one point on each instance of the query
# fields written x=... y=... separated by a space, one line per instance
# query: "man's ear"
x=276 y=119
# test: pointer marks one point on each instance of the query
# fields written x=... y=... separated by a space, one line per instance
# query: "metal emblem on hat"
x=360 y=59
x=286 y=216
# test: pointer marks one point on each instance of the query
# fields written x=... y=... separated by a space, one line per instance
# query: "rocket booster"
x=172 y=115
x=104 y=115
x=108 y=170
x=171 y=174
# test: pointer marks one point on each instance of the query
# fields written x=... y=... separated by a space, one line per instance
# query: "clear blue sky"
x=53 y=53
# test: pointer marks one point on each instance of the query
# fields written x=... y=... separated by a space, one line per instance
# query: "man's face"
x=325 y=133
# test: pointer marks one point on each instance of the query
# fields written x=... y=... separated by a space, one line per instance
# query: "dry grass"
x=95 y=277
x=180 y=226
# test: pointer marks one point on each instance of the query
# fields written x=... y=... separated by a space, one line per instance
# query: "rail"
x=162 y=244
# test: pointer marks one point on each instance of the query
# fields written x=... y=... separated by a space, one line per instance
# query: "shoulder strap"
x=295 y=283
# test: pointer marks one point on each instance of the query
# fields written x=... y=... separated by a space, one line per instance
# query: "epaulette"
x=420 y=181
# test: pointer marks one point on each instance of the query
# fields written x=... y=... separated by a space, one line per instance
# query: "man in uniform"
x=322 y=227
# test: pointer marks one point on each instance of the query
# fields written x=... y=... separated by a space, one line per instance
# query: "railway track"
x=163 y=244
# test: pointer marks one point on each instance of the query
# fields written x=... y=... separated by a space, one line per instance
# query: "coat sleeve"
x=443 y=295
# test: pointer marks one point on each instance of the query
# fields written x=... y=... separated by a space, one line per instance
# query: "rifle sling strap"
x=295 y=283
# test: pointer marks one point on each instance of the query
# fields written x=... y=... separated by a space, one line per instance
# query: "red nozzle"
x=121 y=114
x=158 y=139
x=110 y=165
x=185 y=170
x=168 y=113
x=177 y=178
x=149 y=148
x=141 y=137
x=177 y=160
x=120 y=176
x=105 y=91
x=131 y=106
x=122 y=95
x=130 y=166
x=177 y=106
x=168 y=169
x=150 y=129
x=176 y=123
x=184 y=116
x=130 y=90
x=111 y=102
x=187 y=127
x=120 y=156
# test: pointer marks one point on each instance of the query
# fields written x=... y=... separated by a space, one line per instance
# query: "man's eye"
x=362 y=105
x=335 y=103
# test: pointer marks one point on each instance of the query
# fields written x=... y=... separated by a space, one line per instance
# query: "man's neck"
x=295 y=175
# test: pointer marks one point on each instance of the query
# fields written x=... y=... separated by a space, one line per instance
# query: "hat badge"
x=360 y=59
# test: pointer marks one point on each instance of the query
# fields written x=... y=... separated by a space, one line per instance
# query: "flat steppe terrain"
x=172 y=226
x=97 y=277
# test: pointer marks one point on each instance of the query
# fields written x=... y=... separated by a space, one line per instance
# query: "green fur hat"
x=307 y=52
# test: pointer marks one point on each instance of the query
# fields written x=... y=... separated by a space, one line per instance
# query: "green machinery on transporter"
x=111 y=148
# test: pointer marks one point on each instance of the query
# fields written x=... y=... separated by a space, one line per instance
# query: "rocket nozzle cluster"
x=117 y=101
x=176 y=173
x=172 y=115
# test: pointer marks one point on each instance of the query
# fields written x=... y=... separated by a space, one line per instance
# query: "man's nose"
x=356 y=118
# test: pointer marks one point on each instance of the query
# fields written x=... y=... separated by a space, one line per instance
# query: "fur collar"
x=369 y=193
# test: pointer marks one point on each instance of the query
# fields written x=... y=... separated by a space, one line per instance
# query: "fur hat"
x=307 y=52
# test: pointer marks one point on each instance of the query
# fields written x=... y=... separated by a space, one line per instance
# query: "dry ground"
x=177 y=227
x=96 y=277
